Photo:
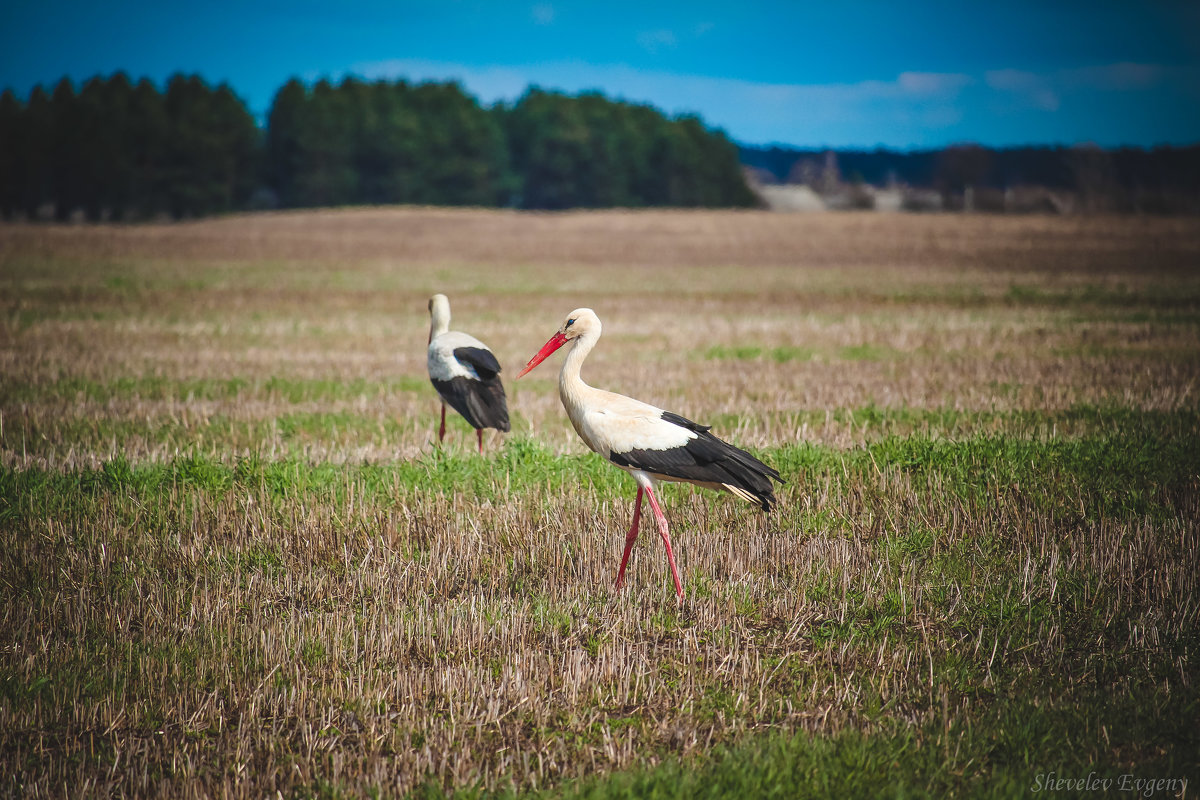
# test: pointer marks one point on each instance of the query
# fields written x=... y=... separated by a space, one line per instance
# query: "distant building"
x=790 y=198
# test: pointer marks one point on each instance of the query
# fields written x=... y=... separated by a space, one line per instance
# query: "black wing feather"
x=684 y=422
x=481 y=402
x=482 y=360
x=705 y=459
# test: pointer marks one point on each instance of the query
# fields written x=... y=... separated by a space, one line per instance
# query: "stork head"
x=439 y=315
x=580 y=322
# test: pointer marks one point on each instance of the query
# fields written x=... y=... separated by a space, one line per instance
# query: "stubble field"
x=233 y=563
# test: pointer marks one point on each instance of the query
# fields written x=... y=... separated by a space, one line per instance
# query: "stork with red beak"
x=650 y=444
x=465 y=373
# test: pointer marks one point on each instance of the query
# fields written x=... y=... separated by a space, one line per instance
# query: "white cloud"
x=1035 y=89
x=657 y=41
x=1013 y=80
x=932 y=82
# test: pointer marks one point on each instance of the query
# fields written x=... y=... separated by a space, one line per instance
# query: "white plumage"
x=443 y=366
x=613 y=423
x=647 y=442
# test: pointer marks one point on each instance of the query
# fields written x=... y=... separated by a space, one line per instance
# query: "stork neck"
x=569 y=381
x=439 y=323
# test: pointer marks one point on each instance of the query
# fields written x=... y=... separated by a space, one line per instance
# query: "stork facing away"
x=650 y=444
x=465 y=373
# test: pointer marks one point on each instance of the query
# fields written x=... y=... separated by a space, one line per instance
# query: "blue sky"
x=858 y=73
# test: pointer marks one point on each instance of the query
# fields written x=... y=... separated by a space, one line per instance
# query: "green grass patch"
x=1158 y=298
x=866 y=352
x=1130 y=467
x=780 y=355
x=1008 y=749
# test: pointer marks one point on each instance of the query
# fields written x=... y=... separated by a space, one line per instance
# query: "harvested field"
x=233 y=562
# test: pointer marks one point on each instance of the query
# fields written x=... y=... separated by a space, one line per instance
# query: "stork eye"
x=570 y=322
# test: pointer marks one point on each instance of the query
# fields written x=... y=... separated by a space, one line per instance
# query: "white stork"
x=647 y=442
x=465 y=373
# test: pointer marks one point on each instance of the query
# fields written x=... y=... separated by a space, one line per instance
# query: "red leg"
x=631 y=537
x=479 y=438
x=442 y=430
x=662 y=529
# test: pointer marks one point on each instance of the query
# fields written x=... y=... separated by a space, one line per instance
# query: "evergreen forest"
x=116 y=149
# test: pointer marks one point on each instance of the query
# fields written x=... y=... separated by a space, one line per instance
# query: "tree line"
x=122 y=150
x=116 y=149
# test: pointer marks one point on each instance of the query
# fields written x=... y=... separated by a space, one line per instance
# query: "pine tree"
x=210 y=151
x=146 y=142
x=11 y=119
x=325 y=173
x=36 y=144
x=66 y=150
x=117 y=172
x=283 y=157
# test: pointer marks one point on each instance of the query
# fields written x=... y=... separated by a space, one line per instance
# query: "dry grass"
x=847 y=310
x=234 y=564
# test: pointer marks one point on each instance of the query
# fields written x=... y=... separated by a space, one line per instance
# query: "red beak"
x=556 y=341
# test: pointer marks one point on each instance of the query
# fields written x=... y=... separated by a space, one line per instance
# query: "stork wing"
x=706 y=460
x=481 y=359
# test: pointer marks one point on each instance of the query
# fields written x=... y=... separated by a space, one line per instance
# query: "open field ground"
x=233 y=564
